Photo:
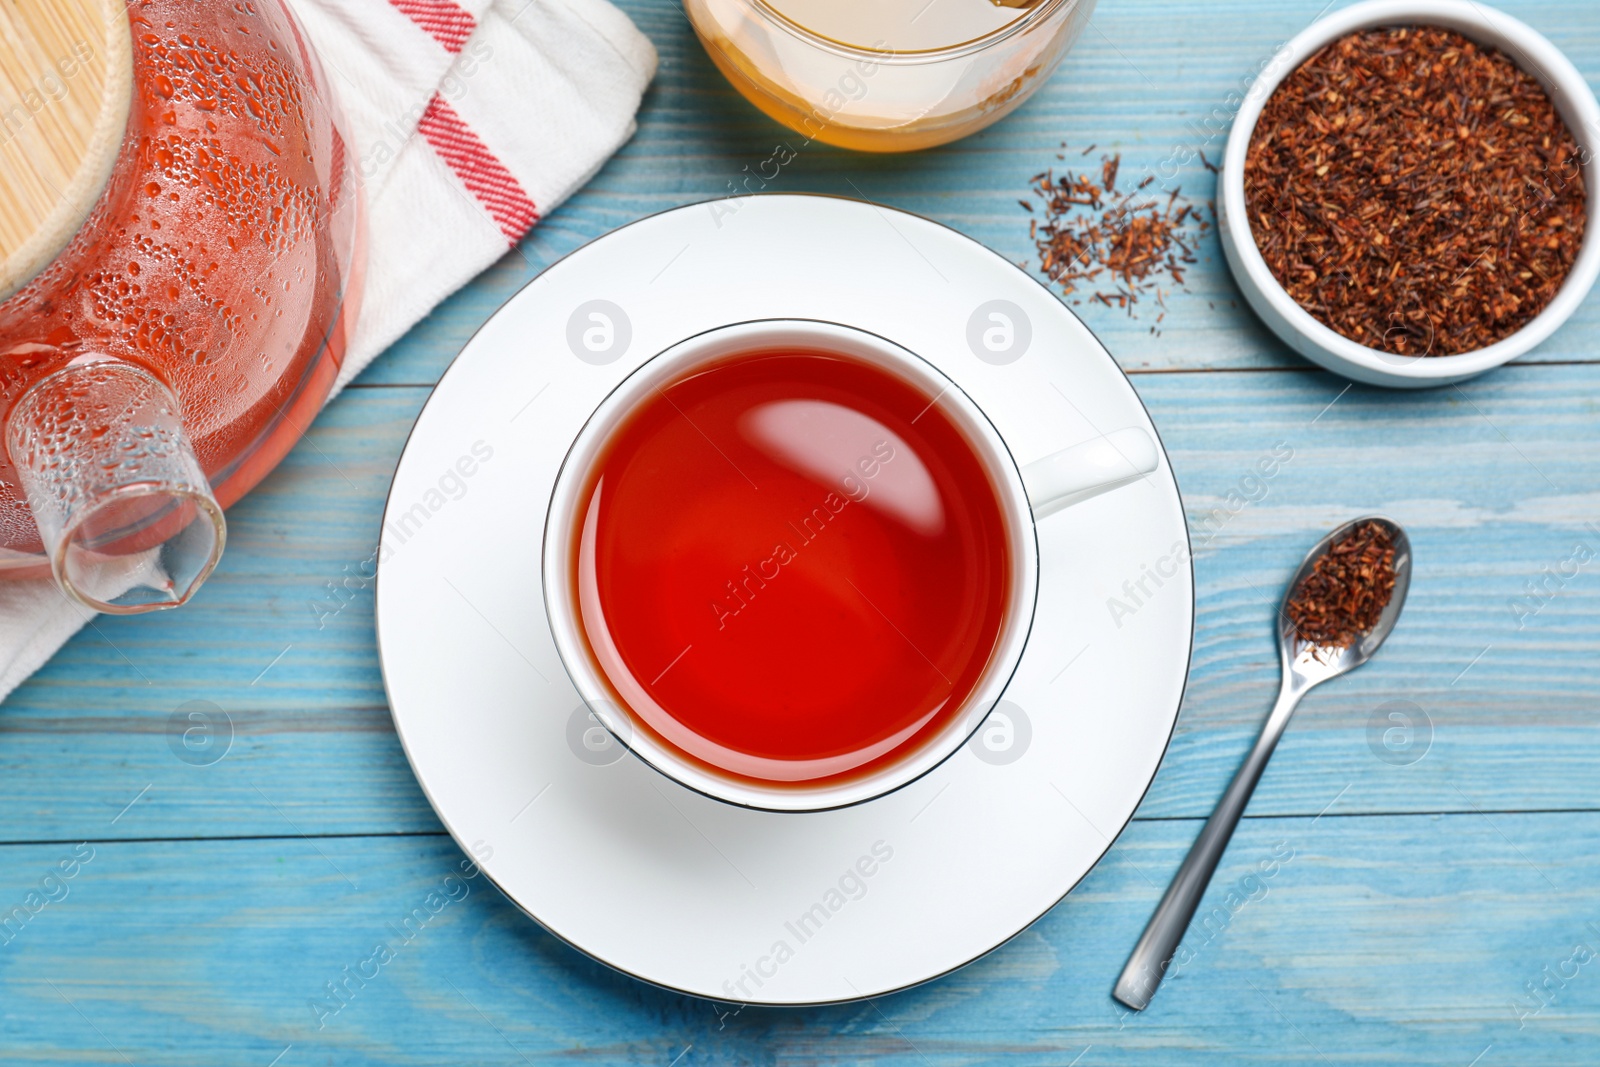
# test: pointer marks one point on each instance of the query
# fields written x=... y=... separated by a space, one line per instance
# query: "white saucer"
x=668 y=885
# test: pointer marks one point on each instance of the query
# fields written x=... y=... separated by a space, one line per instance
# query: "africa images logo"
x=999 y=332
x=598 y=332
x=809 y=922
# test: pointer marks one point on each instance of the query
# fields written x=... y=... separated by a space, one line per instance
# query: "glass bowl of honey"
x=892 y=75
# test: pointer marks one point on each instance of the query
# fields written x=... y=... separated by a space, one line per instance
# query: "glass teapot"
x=179 y=270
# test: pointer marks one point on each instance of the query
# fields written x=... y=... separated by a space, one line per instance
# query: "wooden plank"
x=1394 y=939
x=1511 y=727
x=1150 y=79
x=280 y=637
x=1404 y=938
x=1495 y=481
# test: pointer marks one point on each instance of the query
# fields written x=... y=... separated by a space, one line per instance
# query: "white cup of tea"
x=792 y=566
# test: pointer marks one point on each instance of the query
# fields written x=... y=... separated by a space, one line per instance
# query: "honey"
x=886 y=77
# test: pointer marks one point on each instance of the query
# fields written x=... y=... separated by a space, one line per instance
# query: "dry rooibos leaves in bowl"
x=1415 y=192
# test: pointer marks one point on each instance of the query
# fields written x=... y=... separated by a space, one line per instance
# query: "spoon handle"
x=1147 y=965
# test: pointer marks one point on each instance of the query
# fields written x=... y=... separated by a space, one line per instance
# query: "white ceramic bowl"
x=1526 y=47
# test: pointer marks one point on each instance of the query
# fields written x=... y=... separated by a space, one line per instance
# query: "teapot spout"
x=124 y=510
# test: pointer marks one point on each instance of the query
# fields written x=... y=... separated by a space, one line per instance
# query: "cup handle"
x=1074 y=474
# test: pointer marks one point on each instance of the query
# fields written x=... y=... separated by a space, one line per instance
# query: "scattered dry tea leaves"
x=1347 y=589
x=1115 y=245
x=1415 y=192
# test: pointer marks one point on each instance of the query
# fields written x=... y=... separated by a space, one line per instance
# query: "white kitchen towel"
x=469 y=121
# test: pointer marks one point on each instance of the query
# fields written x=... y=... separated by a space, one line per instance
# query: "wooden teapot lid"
x=66 y=80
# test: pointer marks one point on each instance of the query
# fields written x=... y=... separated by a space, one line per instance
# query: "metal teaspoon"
x=1304 y=666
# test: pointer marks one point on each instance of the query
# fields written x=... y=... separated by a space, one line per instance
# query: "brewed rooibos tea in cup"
x=791 y=564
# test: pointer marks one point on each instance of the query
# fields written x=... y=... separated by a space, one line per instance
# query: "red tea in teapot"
x=210 y=278
x=791 y=565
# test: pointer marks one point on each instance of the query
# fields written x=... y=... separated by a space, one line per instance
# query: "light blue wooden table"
x=1430 y=910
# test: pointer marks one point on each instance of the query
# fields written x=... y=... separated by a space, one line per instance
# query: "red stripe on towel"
x=442 y=20
x=496 y=188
